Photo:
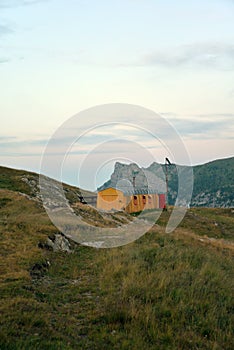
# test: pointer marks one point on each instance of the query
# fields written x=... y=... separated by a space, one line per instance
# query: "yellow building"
x=129 y=201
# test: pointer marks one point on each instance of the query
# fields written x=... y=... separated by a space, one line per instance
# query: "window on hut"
x=135 y=200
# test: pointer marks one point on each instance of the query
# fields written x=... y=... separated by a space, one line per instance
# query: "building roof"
x=129 y=191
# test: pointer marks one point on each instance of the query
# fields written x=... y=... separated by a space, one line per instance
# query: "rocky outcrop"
x=126 y=176
x=58 y=243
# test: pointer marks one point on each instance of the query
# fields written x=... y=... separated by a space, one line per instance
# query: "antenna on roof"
x=167 y=162
x=134 y=173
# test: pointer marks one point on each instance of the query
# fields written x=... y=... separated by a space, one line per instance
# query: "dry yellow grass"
x=189 y=235
x=23 y=224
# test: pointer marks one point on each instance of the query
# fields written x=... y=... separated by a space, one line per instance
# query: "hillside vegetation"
x=164 y=291
x=28 y=183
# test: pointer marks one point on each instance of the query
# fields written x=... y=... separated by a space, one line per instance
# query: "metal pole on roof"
x=167 y=162
x=134 y=182
x=134 y=173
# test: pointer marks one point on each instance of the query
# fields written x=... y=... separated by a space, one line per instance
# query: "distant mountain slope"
x=213 y=181
x=214 y=184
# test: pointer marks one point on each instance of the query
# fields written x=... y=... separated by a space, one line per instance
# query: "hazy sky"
x=59 y=57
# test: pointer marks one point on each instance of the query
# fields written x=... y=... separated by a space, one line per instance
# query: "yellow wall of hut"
x=111 y=198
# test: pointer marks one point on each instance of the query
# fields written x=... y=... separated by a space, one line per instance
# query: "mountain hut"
x=131 y=201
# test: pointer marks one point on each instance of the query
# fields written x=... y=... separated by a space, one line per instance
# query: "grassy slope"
x=214 y=175
x=11 y=179
x=213 y=183
x=161 y=292
x=212 y=178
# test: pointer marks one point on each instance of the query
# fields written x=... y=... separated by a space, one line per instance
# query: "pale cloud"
x=121 y=138
x=4 y=29
x=4 y=60
x=203 y=126
x=231 y=93
x=190 y=127
x=16 y=3
x=207 y=55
